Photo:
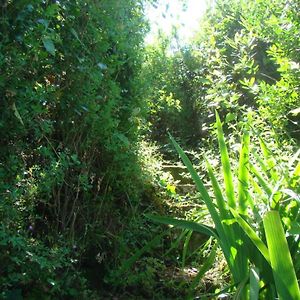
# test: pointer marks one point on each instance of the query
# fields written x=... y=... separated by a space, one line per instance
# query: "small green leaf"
x=49 y=45
x=252 y=81
x=73 y=31
x=230 y=117
x=171 y=189
x=17 y=114
x=123 y=138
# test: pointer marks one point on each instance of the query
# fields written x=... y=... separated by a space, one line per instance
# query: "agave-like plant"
x=250 y=231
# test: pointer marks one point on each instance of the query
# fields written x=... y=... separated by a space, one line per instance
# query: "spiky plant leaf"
x=280 y=258
x=225 y=164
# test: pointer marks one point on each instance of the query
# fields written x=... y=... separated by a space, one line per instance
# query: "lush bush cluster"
x=70 y=117
x=174 y=92
x=245 y=55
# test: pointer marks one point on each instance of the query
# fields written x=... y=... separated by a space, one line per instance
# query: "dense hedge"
x=69 y=128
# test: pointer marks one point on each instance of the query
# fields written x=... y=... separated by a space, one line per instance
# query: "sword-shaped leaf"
x=280 y=257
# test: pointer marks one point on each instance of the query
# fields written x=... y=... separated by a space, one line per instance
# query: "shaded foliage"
x=68 y=150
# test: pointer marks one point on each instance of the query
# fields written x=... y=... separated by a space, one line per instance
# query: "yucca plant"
x=249 y=230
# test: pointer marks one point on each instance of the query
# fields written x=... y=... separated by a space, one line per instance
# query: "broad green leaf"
x=49 y=45
x=280 y=258
x=123 y=138
x=52 y=9
x=230 y=117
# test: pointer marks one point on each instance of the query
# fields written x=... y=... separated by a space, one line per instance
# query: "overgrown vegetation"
x=86 y=159
x=248 y=217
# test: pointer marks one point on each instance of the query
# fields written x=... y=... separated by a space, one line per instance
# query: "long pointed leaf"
x=241 y=292
x=264 y=184
x=225 y=164
x=205 y=267
x=185 y=247
x=254 y=283
x=225 y=214
x=221 y=204
x=252 y=235
x=206 y=198
x=237 y=249
x=184 y=224
x=281 y=261
x=244 y=173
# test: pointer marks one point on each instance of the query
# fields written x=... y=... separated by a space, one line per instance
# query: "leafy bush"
x=70 y=119
x=38 y=271
x=244 y=55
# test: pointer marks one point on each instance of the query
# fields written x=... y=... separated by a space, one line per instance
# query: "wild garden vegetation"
x=134 y=171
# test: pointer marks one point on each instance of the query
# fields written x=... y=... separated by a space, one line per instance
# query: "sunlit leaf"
x=280 y=258
x=184 y=224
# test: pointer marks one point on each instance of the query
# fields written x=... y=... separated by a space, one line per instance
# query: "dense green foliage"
x=69 y=159
x=245 y=55
x=85 y=107
x=266 y=194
